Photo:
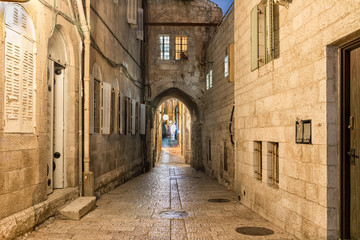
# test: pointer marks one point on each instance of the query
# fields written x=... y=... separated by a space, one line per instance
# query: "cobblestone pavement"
x=139 y=209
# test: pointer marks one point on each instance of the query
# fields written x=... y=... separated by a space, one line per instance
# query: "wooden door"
x=354 y=151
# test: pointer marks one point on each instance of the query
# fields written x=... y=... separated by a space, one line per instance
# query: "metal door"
x=58 y=136
x=354 y=151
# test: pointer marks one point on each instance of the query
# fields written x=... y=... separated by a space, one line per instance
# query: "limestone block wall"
x=180 y=18
x=218 y=103
x=115 y=157
x=302 y=83
x=23 y=157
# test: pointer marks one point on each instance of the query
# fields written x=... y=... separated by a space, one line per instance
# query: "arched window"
x=19 y=114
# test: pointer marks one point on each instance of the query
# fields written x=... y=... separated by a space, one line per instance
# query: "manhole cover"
x=173 y=214
x=218 y=200
x=255 y=231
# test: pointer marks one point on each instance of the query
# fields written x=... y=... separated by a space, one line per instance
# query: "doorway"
x=55 y=165
x=57 y=79
x=350 y=131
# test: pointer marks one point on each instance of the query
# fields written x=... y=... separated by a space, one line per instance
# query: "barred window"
x=97 y=106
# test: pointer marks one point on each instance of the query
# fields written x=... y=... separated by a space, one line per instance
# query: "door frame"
x=344 y=161
x=52 y=106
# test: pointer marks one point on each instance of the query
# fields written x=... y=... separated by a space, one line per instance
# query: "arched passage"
x=195 y=155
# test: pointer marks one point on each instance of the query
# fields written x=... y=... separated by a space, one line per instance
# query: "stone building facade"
x=218 y=150
x=116 y=155
x=27 y=32
x=300 y=187
x=176 y=32
x=42 y=109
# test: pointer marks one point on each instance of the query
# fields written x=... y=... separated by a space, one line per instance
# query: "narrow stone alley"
x=170 y=202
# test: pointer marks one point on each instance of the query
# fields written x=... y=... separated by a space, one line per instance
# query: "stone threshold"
x=25 y=220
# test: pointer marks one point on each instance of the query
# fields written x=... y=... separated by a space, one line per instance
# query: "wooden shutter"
x=142 y=118
x=106 y=108
x=269 y=44
x=231 y=62
x=254 y=38
x=132 y=11
x=28 y=86
x=140 y=30
x=133 y=118
x=13 y=71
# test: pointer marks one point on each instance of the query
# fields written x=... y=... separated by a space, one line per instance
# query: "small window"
x=181 y=48
x=225 y=157
x=164 y=47
x=209 y=150
x=207 y=81
x=258 y=160
x=273 y=164
x=226 y=65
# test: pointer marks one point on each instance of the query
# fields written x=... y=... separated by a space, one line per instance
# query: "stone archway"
x=196 y=136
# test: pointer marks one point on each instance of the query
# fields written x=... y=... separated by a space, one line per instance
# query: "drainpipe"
x=88 y=177
x=80 y=100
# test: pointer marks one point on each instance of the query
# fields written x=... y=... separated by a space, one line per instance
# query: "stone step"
x=78 y=208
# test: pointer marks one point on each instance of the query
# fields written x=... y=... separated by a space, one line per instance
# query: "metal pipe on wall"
x=88 y=178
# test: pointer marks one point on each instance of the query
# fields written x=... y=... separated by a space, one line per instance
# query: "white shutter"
x=142 y=118
x=140 y=30
x=28 y=89
x=121 y=113
x=133 y=117
x=132 y=11
x=106 y=108
x=13 y=71
x=91 y=104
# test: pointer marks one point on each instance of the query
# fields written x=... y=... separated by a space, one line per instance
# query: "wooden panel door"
x=354 y=151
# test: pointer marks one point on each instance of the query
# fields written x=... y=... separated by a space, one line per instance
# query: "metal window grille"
x=274 y=158
x=97 y=105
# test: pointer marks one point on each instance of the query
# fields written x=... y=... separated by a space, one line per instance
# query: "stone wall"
x=218 y=103
x=300 y=84
x=194 y=19
x=23 y=164
x=115 y=157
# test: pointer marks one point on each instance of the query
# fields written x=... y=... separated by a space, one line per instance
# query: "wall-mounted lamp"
x=303 y=132
x=284 y=3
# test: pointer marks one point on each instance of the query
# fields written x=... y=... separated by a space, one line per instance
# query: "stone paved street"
x=137 y=210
